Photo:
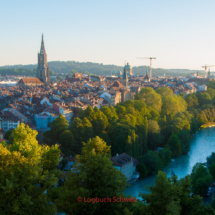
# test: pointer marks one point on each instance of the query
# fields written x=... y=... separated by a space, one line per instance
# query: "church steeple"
x=43 y=67
x=42 y=49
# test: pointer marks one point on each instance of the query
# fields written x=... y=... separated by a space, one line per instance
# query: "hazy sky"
x=179 y=33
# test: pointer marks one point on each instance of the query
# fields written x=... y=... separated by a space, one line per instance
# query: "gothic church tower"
x=43 y=67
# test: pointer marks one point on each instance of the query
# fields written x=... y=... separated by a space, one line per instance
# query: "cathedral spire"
x=43 y=67
x=42 y=49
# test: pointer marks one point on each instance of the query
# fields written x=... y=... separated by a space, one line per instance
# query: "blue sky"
x=180 y=34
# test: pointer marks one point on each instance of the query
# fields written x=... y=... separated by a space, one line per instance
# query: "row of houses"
x=38 y=106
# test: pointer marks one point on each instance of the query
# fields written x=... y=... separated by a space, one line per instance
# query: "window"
x=10 y=124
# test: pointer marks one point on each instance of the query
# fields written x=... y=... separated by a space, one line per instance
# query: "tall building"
x=129 y=69
x=43 y=67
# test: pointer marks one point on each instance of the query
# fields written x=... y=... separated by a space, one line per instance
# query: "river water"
x=202 y=145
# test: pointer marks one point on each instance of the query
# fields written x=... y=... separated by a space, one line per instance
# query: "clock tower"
x=43 y=67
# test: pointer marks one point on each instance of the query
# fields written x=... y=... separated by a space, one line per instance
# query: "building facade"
x=127 y=165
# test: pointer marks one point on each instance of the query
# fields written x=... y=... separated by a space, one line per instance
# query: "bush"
x=141 y=168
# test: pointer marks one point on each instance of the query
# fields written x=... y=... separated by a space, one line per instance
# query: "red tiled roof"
x=31 y=80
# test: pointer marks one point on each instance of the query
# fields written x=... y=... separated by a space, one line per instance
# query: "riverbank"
x=201 y=146
x=210 y=124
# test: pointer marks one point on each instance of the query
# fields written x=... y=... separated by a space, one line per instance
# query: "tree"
x=181 y=121
x=140 y=106
x=152 y=162
x=211 y=84
x=8 y=134
x=97 y=178
x=63 y=163
x=89 y=113
x=77 y=128
x=193 y=126
x=165 y=156
x=150 y=97
x=120 y=110
x=211 y=92
x=164 y=91
x=81 y=113
x=93 y=147
x=110 y=113
x=118 y=134
x=173 y=105
x=88 y=129
x=171 y=197
x=99 y=122
x=185 y=140
x=154 y=136
x=201 y=179
x=128 y=103
x=163 y=197
x=27 y=170
x=154 y=114
x=192 y=100
x=141 y=168
x=212 y=170
x=67 y=142
x=175 y=145
x=58 y=126
x=211 y=159
x=204 y=98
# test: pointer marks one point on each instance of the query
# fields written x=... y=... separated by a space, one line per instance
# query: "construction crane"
x=150 y=63
x=206 y=69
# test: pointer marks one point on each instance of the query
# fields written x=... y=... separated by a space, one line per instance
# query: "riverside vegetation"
x=156 y=118
x=28 y=171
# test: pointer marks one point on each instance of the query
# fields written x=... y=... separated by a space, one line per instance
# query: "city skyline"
x=176 y=33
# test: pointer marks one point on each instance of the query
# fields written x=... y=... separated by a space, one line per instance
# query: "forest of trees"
x=156 y=118
x=94 y=68
x=28 y=173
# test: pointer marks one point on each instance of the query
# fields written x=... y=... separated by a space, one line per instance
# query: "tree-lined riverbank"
x=202 y=145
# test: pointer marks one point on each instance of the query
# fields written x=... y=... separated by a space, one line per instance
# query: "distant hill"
x=89 y=68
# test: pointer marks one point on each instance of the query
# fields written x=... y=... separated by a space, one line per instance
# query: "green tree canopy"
x=92 y=148
x=27 y=170
x=204 y=98
x=173 y=105
x=150 y=97
x=67 y=142
x=152 y=162
x=171 y=197
x=97 y=178
x=164 y=91
x=192 y=100
x=211 y=159
x=201 y=179
x=58 y=126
